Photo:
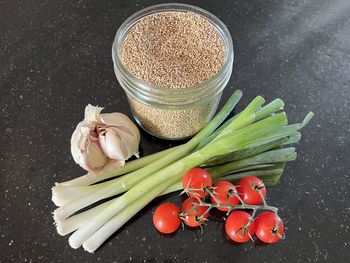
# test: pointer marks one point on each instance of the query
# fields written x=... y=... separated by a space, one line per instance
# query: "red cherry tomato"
x=223 y=192
x=248 y=190
x=191 y=216
x=237 y=228
x=270 y=227
x=197 y=178
x=166 y=218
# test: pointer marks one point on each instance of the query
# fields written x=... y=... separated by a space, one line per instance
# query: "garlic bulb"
x=104 y=141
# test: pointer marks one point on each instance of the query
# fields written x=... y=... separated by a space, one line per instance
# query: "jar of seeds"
x=173 y=61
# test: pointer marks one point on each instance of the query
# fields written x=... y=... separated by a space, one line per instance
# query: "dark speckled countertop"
x=55 y=58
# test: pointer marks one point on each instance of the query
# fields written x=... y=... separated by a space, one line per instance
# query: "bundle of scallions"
x=253 y=142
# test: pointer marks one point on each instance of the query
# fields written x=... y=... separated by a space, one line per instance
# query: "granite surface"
x=55 y=58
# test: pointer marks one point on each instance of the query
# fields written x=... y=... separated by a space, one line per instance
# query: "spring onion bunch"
x=254 y=142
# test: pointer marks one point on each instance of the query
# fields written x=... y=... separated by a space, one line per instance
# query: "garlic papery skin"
x=104 y=141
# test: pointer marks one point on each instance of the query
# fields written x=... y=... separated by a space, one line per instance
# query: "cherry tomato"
x=248 y=190
x=166 y=218
x=237 y=228
x=223 y=192
x=197 y=178
x=191 y=216
x=270 y=227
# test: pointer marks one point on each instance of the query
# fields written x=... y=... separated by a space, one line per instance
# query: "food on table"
x=240 y=226
x=242 y=222
x=173 y=61
x=252 y=190
x=166 y=218
x=270 y=228
x=253 y=142
x=225 y=193
x=197 y=178
x=104 y=141
x=193 y=214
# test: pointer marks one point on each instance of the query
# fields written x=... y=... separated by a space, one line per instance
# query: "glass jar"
x=172 y=113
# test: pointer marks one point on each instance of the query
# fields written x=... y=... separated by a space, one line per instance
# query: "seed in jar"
x=173 y=49
x=173 y=124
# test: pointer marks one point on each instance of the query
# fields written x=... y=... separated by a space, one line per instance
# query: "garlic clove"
x=130 y=146
x=93 y=157
x=126 y=130
x=116 y=119
x=111 y=144
x=85 y=148
x=121 y=121
x=112 y=164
